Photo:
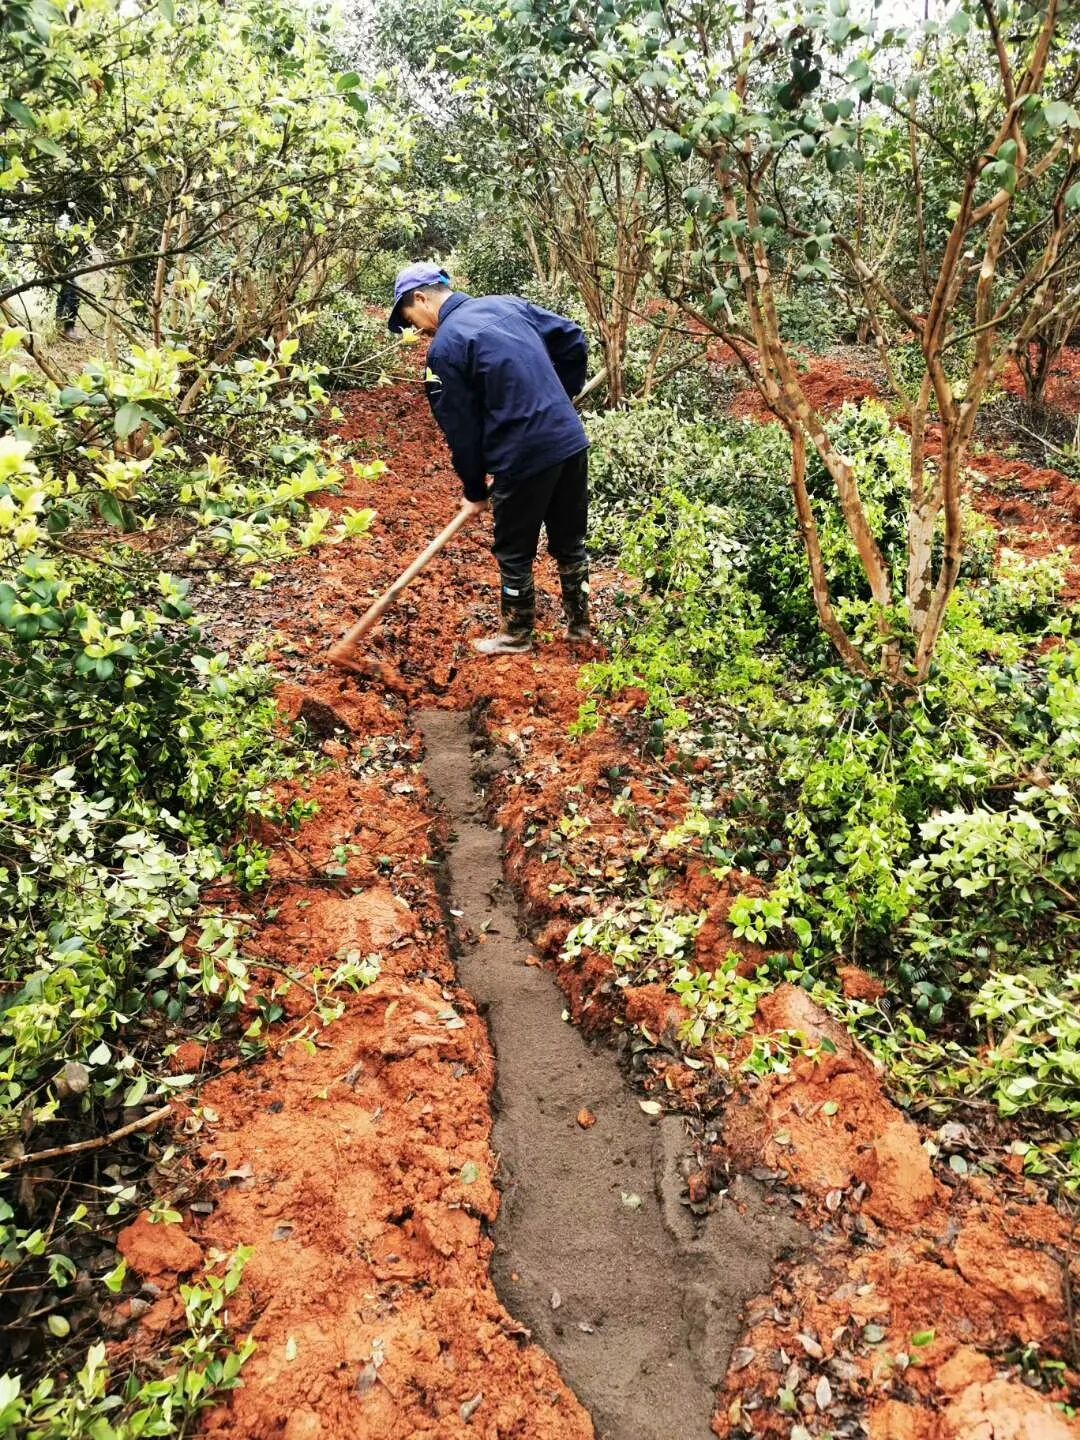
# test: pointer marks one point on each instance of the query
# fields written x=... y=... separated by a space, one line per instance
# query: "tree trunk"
x=926 y=622
x=819 y=581
x=1035 y=371
x=614 y=347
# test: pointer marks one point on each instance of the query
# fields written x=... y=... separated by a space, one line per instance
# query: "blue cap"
x=413 y=277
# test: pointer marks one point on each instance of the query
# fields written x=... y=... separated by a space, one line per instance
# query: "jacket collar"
x=457 y=299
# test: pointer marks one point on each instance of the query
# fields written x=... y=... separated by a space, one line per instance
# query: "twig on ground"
x=145 y=1122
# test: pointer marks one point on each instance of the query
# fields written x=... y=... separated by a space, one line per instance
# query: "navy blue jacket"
x=501 y=378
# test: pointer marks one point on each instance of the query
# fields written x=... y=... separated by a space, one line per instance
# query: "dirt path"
x=594 y=1250
x=357 y=1159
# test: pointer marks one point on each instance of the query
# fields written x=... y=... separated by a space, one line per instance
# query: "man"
x=67 y=255
x=502 y=374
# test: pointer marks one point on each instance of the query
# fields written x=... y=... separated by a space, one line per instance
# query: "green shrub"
x=492 y=261
x=683 y=380
x=350 y=344
x=100 y=1404
x=809 y=317
x=646 y=452
x=933 y=838
x=375 y=282
x=1033 y=1061
x=1024 y=593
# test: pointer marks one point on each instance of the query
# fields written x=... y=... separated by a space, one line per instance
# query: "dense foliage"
x=211 y=181
x=746 y=157
x=934 y=841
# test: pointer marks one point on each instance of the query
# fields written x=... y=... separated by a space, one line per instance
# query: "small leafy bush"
x=350 y=344
x=107 y=449
x=1033 y=1064
x=809 y=317
x=721 y=1002
x=493 y=261
x=100 y=1405
x=643 y=941
x=1024 y=593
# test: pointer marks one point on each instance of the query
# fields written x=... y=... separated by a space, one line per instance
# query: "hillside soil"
x=358 y=1159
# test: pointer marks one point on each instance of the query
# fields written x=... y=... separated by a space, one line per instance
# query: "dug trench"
x=596 y=1251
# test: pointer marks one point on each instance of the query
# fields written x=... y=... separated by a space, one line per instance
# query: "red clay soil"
x=355 y=1157
x=1037 y=509
x=1062 y=385
x=827 y=383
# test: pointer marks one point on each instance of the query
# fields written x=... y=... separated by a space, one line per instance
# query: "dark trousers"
x=67 y=305
x=556 y=499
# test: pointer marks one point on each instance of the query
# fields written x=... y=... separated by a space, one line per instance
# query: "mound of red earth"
x=1037 y=510
x=354 y=1158
x=827 y=382
x=1062 y=391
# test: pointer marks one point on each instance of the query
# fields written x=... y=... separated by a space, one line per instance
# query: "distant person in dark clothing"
x=502 y=376
x=67 y=255
x=67 y=310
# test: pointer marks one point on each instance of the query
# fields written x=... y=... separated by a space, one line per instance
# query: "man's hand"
x=473 y=506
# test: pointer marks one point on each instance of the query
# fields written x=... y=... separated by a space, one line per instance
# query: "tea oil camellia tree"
x=205 y=161
x=771 y=129
x=586 y=191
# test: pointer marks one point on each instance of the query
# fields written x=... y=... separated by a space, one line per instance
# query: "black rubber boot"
x=575 y=593
x=519 y=617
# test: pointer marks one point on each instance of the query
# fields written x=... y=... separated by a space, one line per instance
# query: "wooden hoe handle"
x=387 y=598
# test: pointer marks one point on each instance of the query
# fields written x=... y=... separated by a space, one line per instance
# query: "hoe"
x=344 y=655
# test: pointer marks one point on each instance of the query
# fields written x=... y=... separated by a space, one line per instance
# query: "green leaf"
x=960 y=23
x=19 y=113
x=1060 y=113
x=924 y=1337
x=168 y=10
x=49 y=147
x=802 y=931
x=114 y=1280
x=110 y=510
x=128 y=418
